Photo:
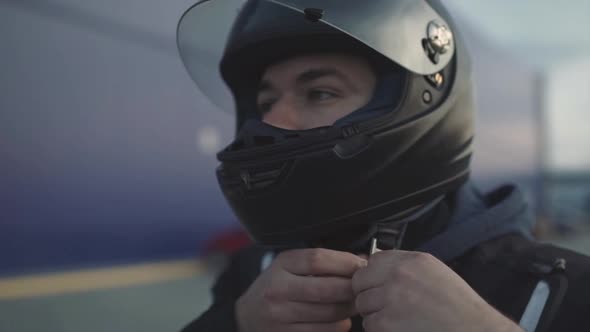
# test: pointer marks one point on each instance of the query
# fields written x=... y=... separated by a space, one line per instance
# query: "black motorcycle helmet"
x=290 y=187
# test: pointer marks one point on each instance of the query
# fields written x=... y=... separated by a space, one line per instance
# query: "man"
x=350 y=169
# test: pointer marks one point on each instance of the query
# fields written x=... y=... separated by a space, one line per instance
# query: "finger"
x=377 y=321
x=320 y=262
x=300 y=312
x=372 y=276
x=312 y=289
x=380 y=268
x=340 y=326
x=370 y=301
x=390 y=256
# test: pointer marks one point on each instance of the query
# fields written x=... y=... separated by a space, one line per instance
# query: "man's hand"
x=412 y=291
x=302 y=290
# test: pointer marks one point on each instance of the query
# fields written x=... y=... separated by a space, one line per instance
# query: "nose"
x=284 y=114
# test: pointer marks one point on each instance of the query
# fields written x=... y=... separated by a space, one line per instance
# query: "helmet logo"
x=439 y=41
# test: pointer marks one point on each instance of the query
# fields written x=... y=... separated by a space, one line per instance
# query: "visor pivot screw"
x=313 y=14
x=439 y=40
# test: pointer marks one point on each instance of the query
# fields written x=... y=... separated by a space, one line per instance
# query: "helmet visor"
x=408 y=32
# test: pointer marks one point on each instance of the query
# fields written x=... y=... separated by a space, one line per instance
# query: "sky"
x=525 y=25
x=554 y=39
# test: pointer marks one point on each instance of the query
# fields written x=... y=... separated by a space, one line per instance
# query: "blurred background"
x=110 y=215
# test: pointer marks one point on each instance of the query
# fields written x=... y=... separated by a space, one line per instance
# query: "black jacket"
x=505 y=271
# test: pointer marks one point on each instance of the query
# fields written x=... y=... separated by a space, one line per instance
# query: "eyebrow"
x=309 y=76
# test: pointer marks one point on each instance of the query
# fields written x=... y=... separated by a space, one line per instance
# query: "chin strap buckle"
x=374 y=248
x=388 y=238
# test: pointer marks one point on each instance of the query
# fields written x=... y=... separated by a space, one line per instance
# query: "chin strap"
x=389 y=235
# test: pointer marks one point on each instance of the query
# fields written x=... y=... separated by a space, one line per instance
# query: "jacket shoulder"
x=507 y=270
x=572 y=312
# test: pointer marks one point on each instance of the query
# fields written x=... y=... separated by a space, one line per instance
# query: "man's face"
x=312 y=91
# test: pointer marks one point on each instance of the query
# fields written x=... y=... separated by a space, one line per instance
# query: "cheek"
x=348 y=106
x=322 y=118
x=327 y=115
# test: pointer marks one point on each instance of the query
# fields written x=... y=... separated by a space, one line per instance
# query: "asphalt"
x=151 y=306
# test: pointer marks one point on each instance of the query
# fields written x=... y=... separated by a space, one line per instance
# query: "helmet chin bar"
x=383 y=235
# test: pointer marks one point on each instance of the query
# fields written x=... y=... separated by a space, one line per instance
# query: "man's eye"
x=265 y=106
x=320 y=95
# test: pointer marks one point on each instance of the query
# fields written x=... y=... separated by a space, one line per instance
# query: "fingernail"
x=364 y=263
